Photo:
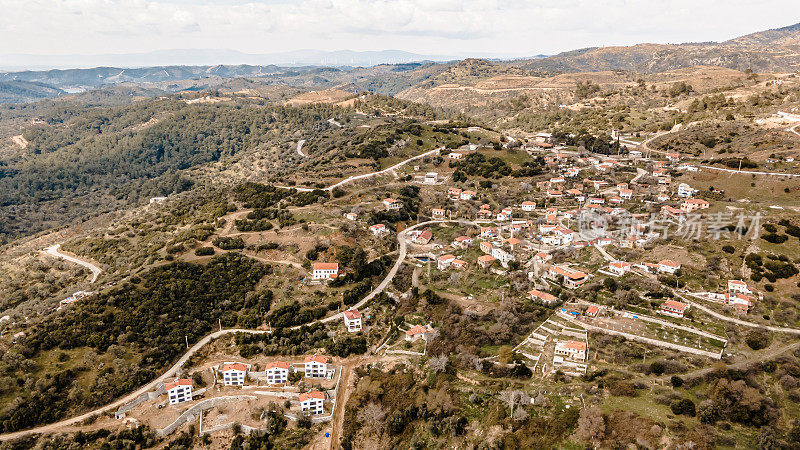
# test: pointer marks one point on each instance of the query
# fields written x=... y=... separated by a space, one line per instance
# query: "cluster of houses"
x=276 y=373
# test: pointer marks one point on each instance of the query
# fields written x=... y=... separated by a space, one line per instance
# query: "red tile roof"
x=312 y=394
x=234 y=366
x=352 y=314
x=317 y=358
x=279 y=364
x=179 y=382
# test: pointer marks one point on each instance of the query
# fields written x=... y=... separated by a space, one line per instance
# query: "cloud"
x=427 y=26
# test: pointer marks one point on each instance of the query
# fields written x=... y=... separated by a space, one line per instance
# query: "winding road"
x=54 y=252
x=169 y=373
x=366 y=175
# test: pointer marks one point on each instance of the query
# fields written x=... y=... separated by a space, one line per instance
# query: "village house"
x=663 y=197
x=528 y=206
x=592 y=311
x=317 y=366
x=484 y=214
x=503 y=215
x=417 y=332
x=352 y=320
x=454 y=193
x=379 y=230
x=462 y=241
x=738 y=287
x=456 y=156
x=554 y=193
x=234 y=373
x=444 y=261
x=626 y=194
x=684 y=190
x=324 y=271
x=179 y=391
x=467 y=195
x=486 y=247
x=668 y=266
x=437 y=214
x=392 y=204
x=539 y=296
x=619 y=267
x=575 y=350
x=489 y=232
x=351 y=216
x=543 y=257
x=312 y=402
x=423 y=238
x=277 y=372
x=673 y=308
x=503 y=256
x=597 y=201
x=673 y=157
x=693 y=204
x=459 y=264
x=431 y=178
x=486 y=261
x=572 y=278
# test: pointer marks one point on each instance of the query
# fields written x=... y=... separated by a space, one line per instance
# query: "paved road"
x=300 y=148
x=711 y=312
x=794 y=129
x=54 y=252
x=366 y=175
x=54 y=427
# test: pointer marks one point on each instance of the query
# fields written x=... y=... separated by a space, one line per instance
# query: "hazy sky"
x=503 y=27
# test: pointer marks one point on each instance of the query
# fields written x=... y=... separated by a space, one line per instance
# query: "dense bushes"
x=149 y=323
x=229 y=243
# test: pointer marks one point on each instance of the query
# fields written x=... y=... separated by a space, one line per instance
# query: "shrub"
x=204 y=251
x=758 y=339
x=728 y=249
x=683 y=407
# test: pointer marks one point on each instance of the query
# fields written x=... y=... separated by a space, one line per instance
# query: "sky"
x=429 y=27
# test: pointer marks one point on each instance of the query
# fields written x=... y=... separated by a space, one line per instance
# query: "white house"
x=467 y=195
x=179 y=391
x=738 y=287
x=379 y=229
x=444 y=261
x=684 y=190
x=462 y=241
x=544 y=297
x=571 y=349
x=501 y=255
x=318 y=366
x=392 y=204
x=668 y=266
x=528 y=206
x=324 y=271
x=571 y=278
x=431 y=178
x=352 y=320
x=233 y=373
x=278 y=372
x=673 y=308
x=351 y=216
x=619 y=267
x=312 y=402
x=417 y=332
x=437 y=213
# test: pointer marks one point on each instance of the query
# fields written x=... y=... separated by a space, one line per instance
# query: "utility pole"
x=187 y=340
x=220 y=324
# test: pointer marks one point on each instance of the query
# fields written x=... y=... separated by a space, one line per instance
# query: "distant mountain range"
x=205 y=57
x=386 y=72
x=776 y=50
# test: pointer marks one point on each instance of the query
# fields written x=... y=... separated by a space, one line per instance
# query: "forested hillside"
x=121 y=155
